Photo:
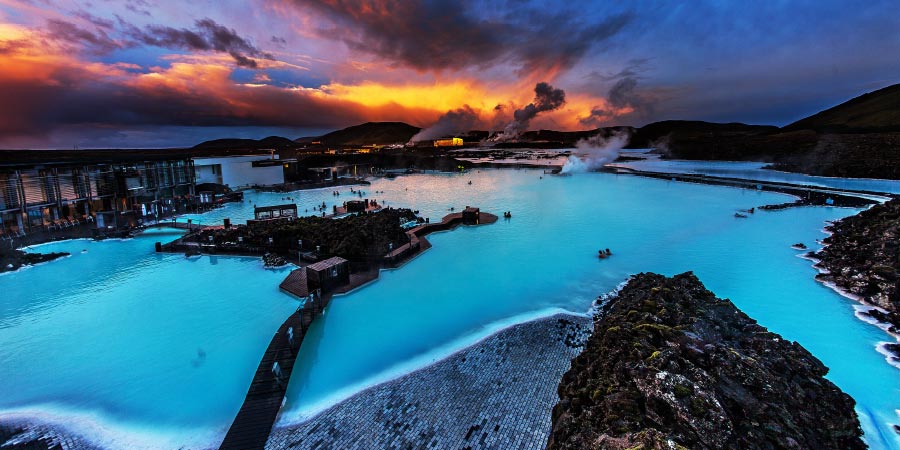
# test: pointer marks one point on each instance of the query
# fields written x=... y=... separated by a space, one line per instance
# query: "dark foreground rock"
x=671 y=366
x=863 y=258
x=12 y=260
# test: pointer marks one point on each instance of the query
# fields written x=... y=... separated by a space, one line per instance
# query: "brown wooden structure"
x=328 y=274
x=355 y=206
x=471 y=216
x=275 y=212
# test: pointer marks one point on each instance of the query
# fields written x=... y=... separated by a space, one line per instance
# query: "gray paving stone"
x=501 y=389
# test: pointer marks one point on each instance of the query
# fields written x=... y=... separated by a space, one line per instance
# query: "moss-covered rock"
x=706 y=376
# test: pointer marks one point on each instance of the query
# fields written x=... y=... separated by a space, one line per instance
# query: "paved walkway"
x=497 y=394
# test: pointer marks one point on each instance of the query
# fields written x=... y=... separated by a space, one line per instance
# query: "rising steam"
x=546 y=98
x=595 y=151
x=455 y=122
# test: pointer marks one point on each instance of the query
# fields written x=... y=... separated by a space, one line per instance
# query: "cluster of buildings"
x=124 y=188
x=110 y=187
x=34 y=196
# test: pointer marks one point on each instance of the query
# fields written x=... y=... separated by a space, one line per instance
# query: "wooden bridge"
x=253 y=423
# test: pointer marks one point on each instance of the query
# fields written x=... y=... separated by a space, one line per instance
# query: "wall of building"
x=208 y=173
x=238 y=171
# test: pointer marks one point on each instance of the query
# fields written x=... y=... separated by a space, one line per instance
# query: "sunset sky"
x=152 y=73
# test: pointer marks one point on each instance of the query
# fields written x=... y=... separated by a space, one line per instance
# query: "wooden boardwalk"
x=253 y=423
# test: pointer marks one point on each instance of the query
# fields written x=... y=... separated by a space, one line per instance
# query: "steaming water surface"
x=122 y=348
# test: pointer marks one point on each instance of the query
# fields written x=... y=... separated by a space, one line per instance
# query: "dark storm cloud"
x=634 y=68
x=96 y=21
x=206 y=36
x=623 y=95
x=74 y=97
x=141 y=7
x=441 y=34
x=68 y=33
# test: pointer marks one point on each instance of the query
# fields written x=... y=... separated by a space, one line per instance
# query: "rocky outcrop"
x=12 y=260
x=863 y=258
x=671 y=366
x=273 y=260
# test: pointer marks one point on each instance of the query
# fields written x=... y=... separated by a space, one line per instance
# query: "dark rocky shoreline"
x=862 y=257
x=12 y=260
x=671 y=366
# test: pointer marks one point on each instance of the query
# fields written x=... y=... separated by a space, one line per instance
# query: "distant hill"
x=276 y=142
x=650 y=134
x=380 y=133
x=572 y=136
x=858 y=138
x=877 y=111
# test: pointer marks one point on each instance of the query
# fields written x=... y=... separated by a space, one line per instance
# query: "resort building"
x=240 y=171
x=34 y=196
x=450 y=142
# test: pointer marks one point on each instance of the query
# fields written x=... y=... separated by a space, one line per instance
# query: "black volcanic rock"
x=670 y=366
x=863 y=258
x=12 y=260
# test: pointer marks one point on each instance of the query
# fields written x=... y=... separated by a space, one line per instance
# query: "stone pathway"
x=498 y=393
x=22 y=434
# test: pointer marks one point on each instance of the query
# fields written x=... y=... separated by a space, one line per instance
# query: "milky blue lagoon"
x=134 y=347
x=112 y=335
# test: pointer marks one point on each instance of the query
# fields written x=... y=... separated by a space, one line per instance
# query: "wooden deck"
x=253 y=423
x=418 y=243
x=295 y=283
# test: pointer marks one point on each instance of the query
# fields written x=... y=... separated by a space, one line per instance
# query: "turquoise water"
x=136 y=348
x=475 y=280
x=306 y=201
x=122 y=349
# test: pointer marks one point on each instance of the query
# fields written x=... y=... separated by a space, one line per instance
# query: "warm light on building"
x=451 y=142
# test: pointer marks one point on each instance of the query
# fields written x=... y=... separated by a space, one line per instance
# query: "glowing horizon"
x=144 y=74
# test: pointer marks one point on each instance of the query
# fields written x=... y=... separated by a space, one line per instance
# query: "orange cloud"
x=45 y=86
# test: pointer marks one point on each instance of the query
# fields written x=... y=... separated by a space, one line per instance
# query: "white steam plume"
x=595 y=151
x=458 y=121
